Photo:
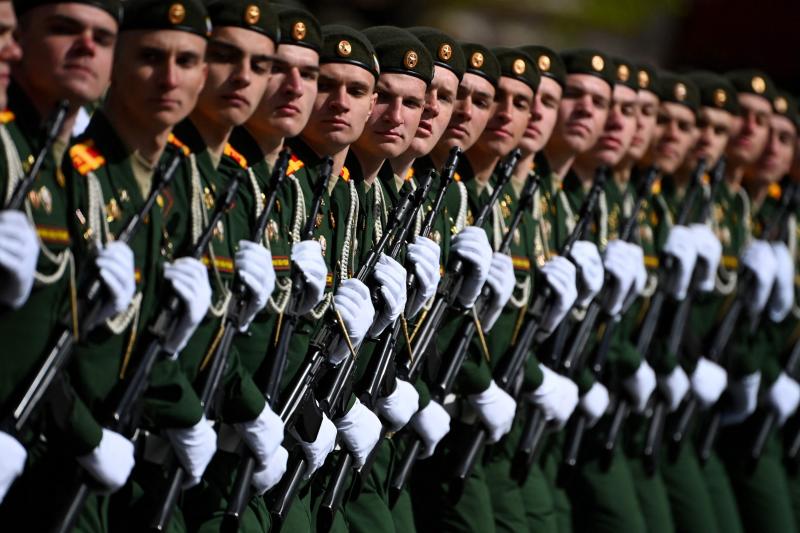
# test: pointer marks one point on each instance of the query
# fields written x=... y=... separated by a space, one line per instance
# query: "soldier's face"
x=544 y=113
x=620 y=127
x=675 y=134
x=168 y=70
x=646 y=114
x=345 y=98
x=511 y=113
x=395 y=117
x=778 y=155
x=746 y=147
x=69 y=50
x=239 y=65
x=582 y=113
x=439 y=101
x=470 y=114
x=714 y=129
x=290 y=94
x=10 y=52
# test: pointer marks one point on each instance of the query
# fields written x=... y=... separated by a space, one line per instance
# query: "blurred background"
x=714 y=34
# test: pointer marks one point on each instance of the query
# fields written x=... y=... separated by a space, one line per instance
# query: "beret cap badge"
x=252 y=14
x=623 y=73
x=544 y=62
x=476 y=60
x=598 y=63
x=644 y=79
x=720 y=97
x=344 y=48
x=781 y=105
x=519 y=66
x=758 y=84
x=176 y=13
x=299 y=31
x=411 y=59
x=680 y=92
x=445 y=52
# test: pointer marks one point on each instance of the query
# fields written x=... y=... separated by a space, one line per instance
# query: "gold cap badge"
x=644 y=79
x=176 y=13
x=518 y=67
x=445 y=52
x=344 y=48
x=299 y=31
x=476 y=60
x=252 y=14
x=720 y=97
x=598 y=63
x=623 y=73
x=544 y=63
x=680 y=92
x=781 y=105
x=411 y=59
x=758 y=84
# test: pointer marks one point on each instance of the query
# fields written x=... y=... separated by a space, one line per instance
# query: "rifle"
x=240 y=493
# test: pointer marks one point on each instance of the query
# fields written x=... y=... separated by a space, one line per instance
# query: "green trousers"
x=550 y=462
x=508 y=503
x=366 y=510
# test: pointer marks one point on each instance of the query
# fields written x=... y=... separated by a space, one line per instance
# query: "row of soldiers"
x=303 y=277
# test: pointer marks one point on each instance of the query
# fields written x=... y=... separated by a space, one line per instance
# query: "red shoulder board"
x=236 y=156
x=174 y=141
x=6 y=117
x=85 y=158
x=295 y=164
x=345 y=174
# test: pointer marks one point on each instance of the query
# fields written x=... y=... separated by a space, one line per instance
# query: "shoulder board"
x=174 y=141
x=410 y=174
x=6 y=117
x=521 y=263
x=295 y=164
x=345 y=174
x=656 y=189
x=456 y=176
x=85 y=158
x=236 y=156
x=775 y=191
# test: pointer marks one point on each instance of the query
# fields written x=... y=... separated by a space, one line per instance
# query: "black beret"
x=646 y=78
x=592 y=62
x=625 y=74
x=399 y=52
x=715 y=91
x=752 y=81
x=252 y=15
x=184 y=15
x=517 y=65
x=548 y=62
x=298 y=27
x=481 y=62
x=785 y=104
x=679 y=90
x=446 y=52
x=343 y=44
x=112 y=7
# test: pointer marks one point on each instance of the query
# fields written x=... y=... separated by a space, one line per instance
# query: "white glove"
x=674 y=387
x=194 y=447
x=709 y=254
x=495 y=409
x=595 y=402
x=784 y=396
x=472 y=245
x=12 y=462
x=189 y=279
x=400 y=405
x=263 y=435
x=680 y=245
x=640 y=272
x=708 y=382
x=268 y=475
x=391 y=277
x=617 y=262
x=782 y=297
x=115 y=263
x=254 y=265
x=353 y=302
x=502 y=280
x=317 y=451
x=307 y=256
x=19 y=251
x=741 y=400
x=590 y=269
x=559 y=273
x=111 y=461
x=759 y=258
x=424 y=256
x=557 y=396
x=641 y=386
x=361 y=430
x=431 y=424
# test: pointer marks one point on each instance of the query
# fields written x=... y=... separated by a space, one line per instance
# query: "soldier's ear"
x=372 y=99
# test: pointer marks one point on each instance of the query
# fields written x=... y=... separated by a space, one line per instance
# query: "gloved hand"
x=708 y=382
x=681 y=246
x=254 y=265
x=709 y=254
x=595 y=402
x=400 y=405
x=316 y=452
x=12 y=462
x=639 y=275
x=759 y=258
x=391 y=276
x=307 y=256
x=784 y=396
x=19 y=251
x=189 y=280
x=502 y=280
x=263 y=435
x=194 y=447
x=741 y=400
x=590 y=271
x=472 y=245
x=559 y=273
x=618 y=265
x=640 y=386
x=424 y=256
x=557 y=396
x=495 y=409
x=111 y=462
x=115 y=264
x=360 y=430
x=353 y=302
x=782 y=297
x=674 y=386
x=268 y=475
x=431 y=424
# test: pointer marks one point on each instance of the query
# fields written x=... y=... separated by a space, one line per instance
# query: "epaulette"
x=174 y=141
x=345 y=174
x=6 y=117
x=236 y=156
x=775 y=191
x=85 y=158
x=656 y=188
x=295 y=164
